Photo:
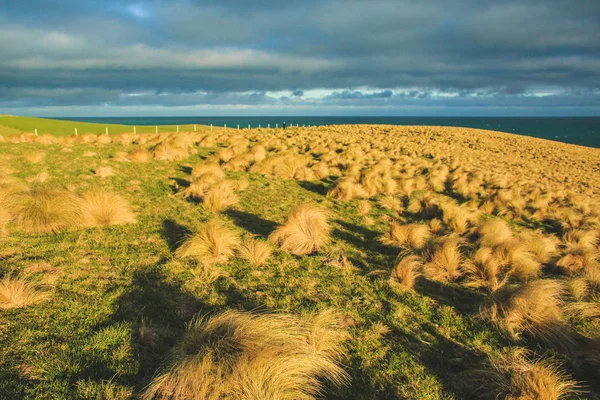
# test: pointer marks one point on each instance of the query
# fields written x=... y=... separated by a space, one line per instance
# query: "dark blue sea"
x=584 y=131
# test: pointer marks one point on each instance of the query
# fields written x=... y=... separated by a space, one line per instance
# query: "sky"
x=300 y=57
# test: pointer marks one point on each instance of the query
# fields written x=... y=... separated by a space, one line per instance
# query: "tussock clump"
x=364 y=207
x=445 y=262
x=255 y=251
x=391 y=203
x=208 y=168
x=522 y=262
x=241 y=355
x=44 y=210
x=212 y=243
x=485 y=270
x=347 y=189
x=219 y=197
x=515 y=377
x=533 y=308
x=494 y=232
x=168 y=152
x=104 y=172
x=103 y=139
x=200 y=185
x=103 y=209
x=543 y=248
x=17 y=291
x=139 y=155
x=412 y=236
x=35 y=157
x=406 y=272
x=305 y=231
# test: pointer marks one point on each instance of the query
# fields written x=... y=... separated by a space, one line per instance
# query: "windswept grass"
x=305 y=231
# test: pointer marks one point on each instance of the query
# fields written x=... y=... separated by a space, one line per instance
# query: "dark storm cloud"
x=384 y=53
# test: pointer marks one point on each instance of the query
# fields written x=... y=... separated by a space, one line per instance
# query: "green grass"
x=121 y=300
x=11 y=125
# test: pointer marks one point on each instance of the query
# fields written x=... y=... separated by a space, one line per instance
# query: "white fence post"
x=268 y=126
x=134 y=130
x=75 y=131
x=106 y=131
x=224 y=125
x=156 y=128
x=177 y=128
x=35 y=131
x=194 y=127
x=211 y=127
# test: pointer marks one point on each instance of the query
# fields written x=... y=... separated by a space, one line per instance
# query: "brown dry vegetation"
x=467 y=220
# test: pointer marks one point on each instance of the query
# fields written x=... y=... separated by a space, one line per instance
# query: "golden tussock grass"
x=364 y=207
x=412 y=236
x=241 y=355
x=254 y=251
x=16 y=291
x=208 y=168
x=484 y=270
x=104 y=172
x=139 y=155
x=436 y=225
x=391 y=203
x=523 y=263
x=104 y=208
x=44 y=210
x=219 y=197
x=494 y=232
x=35 y=157
x=103 y=139
x=406 y=272
x=168 y=152
x=200 y=185
x=306 y=230
x=212 y=243
x=513 y=376
x=445 y=262
x=347 y=189
x=576 y=261
x=533 y=308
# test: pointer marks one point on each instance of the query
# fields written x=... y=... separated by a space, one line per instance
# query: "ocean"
x=583 y=131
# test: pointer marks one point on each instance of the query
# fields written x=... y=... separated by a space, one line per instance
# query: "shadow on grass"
x=159 y=311
x=252 y=223
x=186 y=169
x=317 y=187
x=174 y=233
x=462 y=300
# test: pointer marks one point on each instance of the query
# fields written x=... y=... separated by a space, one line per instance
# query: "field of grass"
x=520 y=321
x=10 y=125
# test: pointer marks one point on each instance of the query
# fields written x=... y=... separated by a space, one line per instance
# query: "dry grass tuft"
x=219 y=197
x=212 y=243
x=255 y=251
x=44 y=210
x=445 y=262
x=306 y=231
x=17 y=292
x=364 y=206
x=413 y=236
x=104 y=172
x=484 y=270
x=139 y=155
x=533 y=308
x=347 y=189
x=406 y=272
x=518 y=378
x=240 y=355
x=35 y=157
x=494 y=232
x=103 y=209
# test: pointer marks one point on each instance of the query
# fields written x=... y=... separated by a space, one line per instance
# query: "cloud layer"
x=391 y=57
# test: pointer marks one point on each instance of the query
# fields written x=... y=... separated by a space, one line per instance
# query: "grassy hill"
x=10 y=125
x=430 y=263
